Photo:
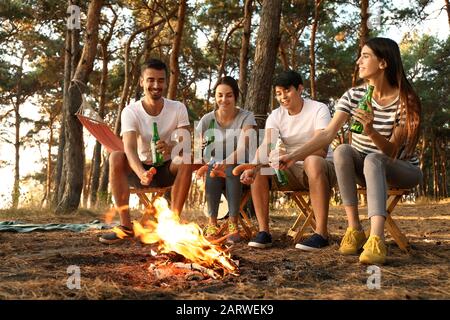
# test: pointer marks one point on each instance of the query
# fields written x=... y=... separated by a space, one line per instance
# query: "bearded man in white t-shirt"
x=131 y=167
x=294 y=123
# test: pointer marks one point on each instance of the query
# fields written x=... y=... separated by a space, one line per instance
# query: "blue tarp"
x=17 y=226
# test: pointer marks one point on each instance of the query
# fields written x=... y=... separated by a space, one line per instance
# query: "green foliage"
x=426 y=62
x=35 y=31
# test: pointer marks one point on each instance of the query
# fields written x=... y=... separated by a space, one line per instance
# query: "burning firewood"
x=187 y=240
x=196 y=266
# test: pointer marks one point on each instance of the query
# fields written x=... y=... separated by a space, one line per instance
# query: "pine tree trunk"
x=422 y=187
x=97 y=157
x=208 y=93
x=16 y=186
x=74 y=148
x=223 y=59
x=312 y=50
x=283 y=57
x=59 y=164
x=447 y=6
x=435 y=169
x=363 y=34
x=87 y=178
x=267 y=41
x=48 y=180
x=444 y=167
x=245 y=49
x=175 y=52
x=102 y=193
x=71 y=58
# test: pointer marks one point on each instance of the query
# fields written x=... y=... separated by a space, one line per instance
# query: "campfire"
x=184 y=239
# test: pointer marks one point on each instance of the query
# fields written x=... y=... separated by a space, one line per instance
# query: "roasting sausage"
x=242 y=167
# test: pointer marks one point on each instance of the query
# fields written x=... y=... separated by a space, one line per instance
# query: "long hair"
x=232 y=83
x=410 y=108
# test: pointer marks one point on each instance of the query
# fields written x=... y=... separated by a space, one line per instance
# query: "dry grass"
x=34 y=265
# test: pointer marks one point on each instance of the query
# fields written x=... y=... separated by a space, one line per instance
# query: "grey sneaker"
x=113 y=237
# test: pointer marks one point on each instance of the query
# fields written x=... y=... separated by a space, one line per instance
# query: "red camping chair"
x=106 y=137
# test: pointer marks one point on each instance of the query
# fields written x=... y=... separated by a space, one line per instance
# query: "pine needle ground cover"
x=37 y=265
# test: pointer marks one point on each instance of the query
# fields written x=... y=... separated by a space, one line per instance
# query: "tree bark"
x=434 y=167
x=283 y=57
x=225 y=49
x=312 y=50
x=422 y=187
x=97 y=156
x=444 y=166
x=102 y=195
x=18 y=102
x=245 y=49
x=176 y=44
x=48 y=180
x=447 y=6
x=71 y=55
x=74 y=148
x=267 y=41
x=363 y=35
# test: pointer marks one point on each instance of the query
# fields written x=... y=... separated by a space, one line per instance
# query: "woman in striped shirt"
x=382 y=156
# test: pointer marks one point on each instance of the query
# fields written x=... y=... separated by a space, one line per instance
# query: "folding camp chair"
x=244 y=220
x=101 y=131
x=304 y=219
x=307 y=216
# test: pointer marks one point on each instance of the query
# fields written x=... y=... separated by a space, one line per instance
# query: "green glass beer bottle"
x=281 y=175
x=209 y=139
x=357 y=126
x=157 y=156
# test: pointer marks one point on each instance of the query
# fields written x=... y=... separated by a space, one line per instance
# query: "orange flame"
x=184 y=239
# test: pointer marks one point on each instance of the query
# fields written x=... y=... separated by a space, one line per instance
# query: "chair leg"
x=148 y=203
x=398 y=236
x=392 y=227
x=246 y=226
x=297 y=231
x=149 y=210
x=310 y=215
x=243 y=217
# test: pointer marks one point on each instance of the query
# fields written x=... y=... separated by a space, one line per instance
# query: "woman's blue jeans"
x=232 y=188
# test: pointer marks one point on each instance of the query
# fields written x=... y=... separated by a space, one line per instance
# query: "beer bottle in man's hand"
x=281 y=175
x=157 y=156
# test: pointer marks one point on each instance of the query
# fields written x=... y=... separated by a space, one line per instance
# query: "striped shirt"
x=385 y=119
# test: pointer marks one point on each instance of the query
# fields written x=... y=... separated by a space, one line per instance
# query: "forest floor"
x=35 y=265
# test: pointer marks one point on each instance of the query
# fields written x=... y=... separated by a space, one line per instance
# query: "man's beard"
x=155 y=95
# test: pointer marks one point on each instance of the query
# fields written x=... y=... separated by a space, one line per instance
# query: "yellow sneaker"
x=233 y=233
x=232 y=227
x=210 y=230
x=374 y=251
x=352 y=241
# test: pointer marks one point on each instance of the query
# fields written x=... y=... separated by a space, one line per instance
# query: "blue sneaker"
x=263 y=240
x=313 y=243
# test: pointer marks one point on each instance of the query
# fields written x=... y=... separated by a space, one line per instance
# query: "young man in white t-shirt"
x=131 y=166
x=295 y=122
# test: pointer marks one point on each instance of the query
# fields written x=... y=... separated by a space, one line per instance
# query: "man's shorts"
x=298 y=180
x=162 y=178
